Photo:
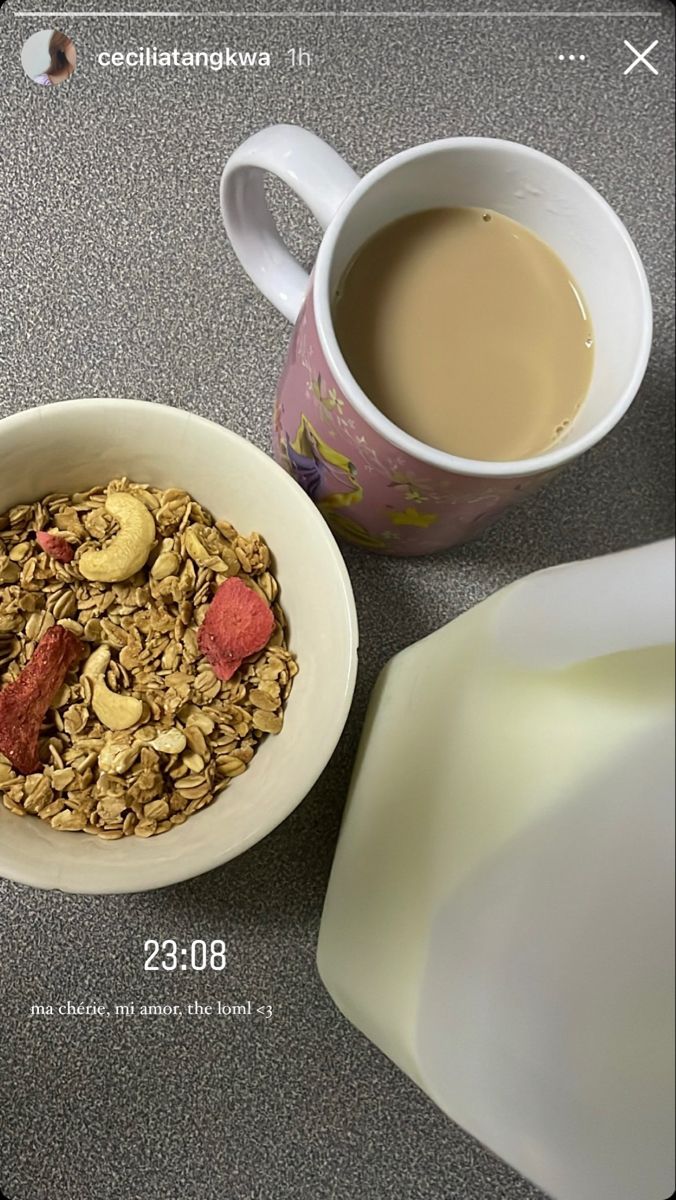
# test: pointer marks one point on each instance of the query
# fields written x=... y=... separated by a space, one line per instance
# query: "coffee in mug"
x=467 y=331
x=378 y=485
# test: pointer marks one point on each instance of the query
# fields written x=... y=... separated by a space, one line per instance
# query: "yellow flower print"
x=410 y=489
x=330 y=401
x=411 y=516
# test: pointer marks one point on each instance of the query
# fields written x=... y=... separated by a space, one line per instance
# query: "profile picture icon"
x=48 y=57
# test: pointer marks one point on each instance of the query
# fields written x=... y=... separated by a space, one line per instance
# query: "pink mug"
x=376 y=485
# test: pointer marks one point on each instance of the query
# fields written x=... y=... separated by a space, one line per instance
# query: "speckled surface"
x=117 y=280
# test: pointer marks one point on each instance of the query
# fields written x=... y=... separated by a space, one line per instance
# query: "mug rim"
x=549 y=460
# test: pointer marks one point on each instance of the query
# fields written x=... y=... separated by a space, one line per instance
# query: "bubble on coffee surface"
x=487 y=216
x=589 y=342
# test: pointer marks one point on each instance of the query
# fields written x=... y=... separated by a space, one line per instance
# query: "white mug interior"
x=553 y=202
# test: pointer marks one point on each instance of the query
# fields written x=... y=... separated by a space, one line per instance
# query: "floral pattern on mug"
x=413 y=516
x=329 y=478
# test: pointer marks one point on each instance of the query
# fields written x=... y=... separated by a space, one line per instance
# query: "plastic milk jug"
x=500 y=914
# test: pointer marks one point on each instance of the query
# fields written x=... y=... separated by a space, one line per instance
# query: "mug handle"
x=314 y=171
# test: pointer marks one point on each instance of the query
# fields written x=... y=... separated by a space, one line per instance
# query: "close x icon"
x=641 y=56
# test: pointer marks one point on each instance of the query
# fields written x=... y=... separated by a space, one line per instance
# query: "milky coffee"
x=467 y=331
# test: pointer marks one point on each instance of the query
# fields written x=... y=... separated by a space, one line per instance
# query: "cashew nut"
x=114 y=711
x=128 y=550
x=96 y=665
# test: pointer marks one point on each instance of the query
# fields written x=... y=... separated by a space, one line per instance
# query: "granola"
x=142 y=733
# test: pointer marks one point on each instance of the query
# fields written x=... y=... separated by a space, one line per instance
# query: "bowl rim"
x=211 y=856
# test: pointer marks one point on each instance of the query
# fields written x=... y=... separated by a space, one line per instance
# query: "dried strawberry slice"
x=237 y=624
x=55 y=546
x=24 y=702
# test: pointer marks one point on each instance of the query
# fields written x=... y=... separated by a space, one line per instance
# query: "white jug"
x=500 y=914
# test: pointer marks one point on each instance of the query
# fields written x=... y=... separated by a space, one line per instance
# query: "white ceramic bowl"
x=79 y=443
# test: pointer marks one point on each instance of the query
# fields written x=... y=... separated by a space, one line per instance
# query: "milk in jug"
x=500 y=914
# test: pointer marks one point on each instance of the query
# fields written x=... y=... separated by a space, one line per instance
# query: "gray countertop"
x=117 y=280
